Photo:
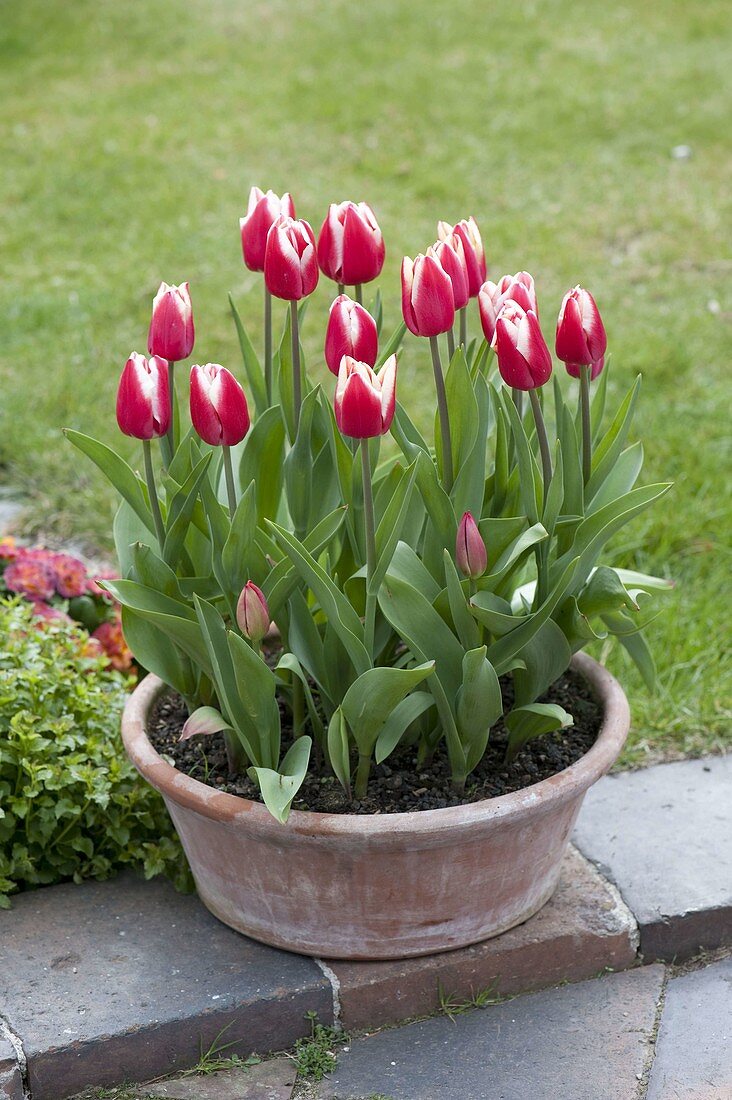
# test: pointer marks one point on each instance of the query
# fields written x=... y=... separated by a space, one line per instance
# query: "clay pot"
x=378 y=887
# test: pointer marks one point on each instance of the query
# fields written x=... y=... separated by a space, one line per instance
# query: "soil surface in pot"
x=400 y=784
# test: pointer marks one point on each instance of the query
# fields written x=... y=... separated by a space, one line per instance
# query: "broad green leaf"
x=604 y=592
x=129 y=529
x=534 y=720
x=392 y=345
x=373 y=696
x=572 y=465
x=305 y=640
x=389 y=530
x=280 y=787
x=469 y=489
x=176 y=620
x=237 y=548
x=597 y=409
x=215 y=636
x=257 y=685
x=299 y=467
x=465 y=625
x=399 y=721
x=479 y=704
x=555 y=496
x=406 y=565
x=339 y=749
x=546 y=656
x=612 y=443
x=620 y=479
x=463 y=412
x=255 y=374
x=262 y=461
x=422 y=630
x=288 y=662
x=283 y=579
x=116 y=470
x=528 y=471
x=152 y=572
x=514 y=553
x=501 y=469
x=154 y=652
x=494 y=613
x=637 y=648
x=631 y=578
x=181 y=510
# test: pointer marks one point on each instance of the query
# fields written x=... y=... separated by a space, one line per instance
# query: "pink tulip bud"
x=474 y=252
x=252 y=613
x=350 y=245
x=524 y=359
x=581 y=337
x=428 y=305
x=143 y=397
x=171 y=327
x=518 y=288
x=365 y=401
x=351 y=331
x=263 y=210
x=290 y=263
x=450 y=255
x=470 y=552
x=218 y=406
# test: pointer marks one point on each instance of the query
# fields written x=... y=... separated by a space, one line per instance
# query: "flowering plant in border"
x=60 y=588
x=402 y=581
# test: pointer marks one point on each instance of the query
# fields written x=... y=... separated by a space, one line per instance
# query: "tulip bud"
x=218 y=406
x=581 y=338
x=171 y=327
x=428 y=305
x=470 y=552
x=252 y=613
x=290 y=263
x=365 y=401
x=350 y=245
x=351 y=331
x=143 y=397
x=518 y=288
x=474 y=252
x=524 y=359
x=450 y=255
x=263 y=210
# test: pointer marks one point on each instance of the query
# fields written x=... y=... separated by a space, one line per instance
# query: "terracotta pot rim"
x=517 y=805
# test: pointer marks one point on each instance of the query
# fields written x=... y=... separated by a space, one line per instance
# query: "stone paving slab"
x=582 y=930
x=663 y=835
x=272 y=1080
x=588 y=1041
x=127 y=980
x=694 y=1047
x=11 y=1084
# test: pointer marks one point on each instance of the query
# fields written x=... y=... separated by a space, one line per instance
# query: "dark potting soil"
x=399 y=784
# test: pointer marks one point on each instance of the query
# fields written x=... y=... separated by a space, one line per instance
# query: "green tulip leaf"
x=278 y=788
x=536 y=719
x=255 y=374
x=373 y=696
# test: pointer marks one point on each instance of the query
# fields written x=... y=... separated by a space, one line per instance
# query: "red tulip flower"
x=450 y=255
x=350 y=245
x=428 y=305
x=365 y=401
x=351 y=331
x=143 y=397
x=252 y=613
x=469 y=234
x=171 y=332
x=470 y=551
x=581 y=337
x=290 y=263
x=263 y=210
x=524 y=359
x=218 y=406
x=518 y=288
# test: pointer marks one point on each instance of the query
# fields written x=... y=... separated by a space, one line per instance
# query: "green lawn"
x=132 y=132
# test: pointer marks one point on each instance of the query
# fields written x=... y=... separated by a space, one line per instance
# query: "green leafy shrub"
x=71 y=804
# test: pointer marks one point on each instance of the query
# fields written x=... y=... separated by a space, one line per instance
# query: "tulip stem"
x=546 y=456
x=153 y=494
x=586 y=423
x=296 y=366
x=170 y=436
x=447 y=468
x=450 y=343
x=230 y=485
x=464 y=327
x=358 y=291
x=370 y=530
x=341 y=288
x=268 y=344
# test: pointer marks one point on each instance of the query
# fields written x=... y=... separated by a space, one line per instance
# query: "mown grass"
x=133 y=131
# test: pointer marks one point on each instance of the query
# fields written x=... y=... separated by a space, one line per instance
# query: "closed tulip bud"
x=350 y=245
x=263 y=210
x=450 y=255
x=351 y=331
x=171 y=332
x=143 y=397
x=365 y=401
x=470 y=552
x=252 y=613
x=219 y=408
x=428 y=305
x=524 y=359
x=290 y=263
x=581 y=337
x=518 y=288
x=469 y=234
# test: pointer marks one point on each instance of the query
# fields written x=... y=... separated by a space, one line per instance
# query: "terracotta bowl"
x=378 y=887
